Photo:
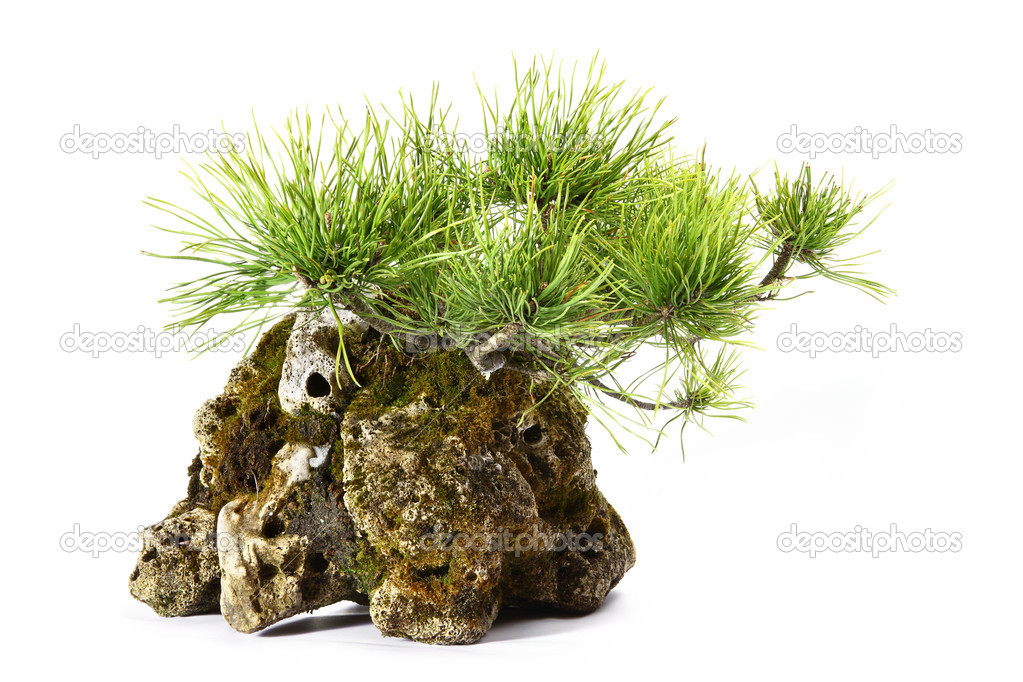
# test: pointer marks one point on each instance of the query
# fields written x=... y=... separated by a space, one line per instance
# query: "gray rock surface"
x=273 y=565
x=308 y=376
x=432 y=495
x=178 y=573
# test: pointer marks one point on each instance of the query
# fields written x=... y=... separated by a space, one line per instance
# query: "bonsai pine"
x=542 y=253
x=555 y=244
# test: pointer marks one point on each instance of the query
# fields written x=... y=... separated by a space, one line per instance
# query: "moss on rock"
x=247 y=426
x=426 y=450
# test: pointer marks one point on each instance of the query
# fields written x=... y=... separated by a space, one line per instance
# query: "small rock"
x=178 y=573
x=271 y=572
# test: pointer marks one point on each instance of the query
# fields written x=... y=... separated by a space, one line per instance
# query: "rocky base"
x=426 y=491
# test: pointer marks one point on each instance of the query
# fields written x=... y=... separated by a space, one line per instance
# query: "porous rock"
x=177 y=572
x=281 y=551
x=308 y=376
x=433 y=495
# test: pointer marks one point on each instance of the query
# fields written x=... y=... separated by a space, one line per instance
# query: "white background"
x=924 y=440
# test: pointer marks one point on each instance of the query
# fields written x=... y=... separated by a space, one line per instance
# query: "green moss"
x=471 y=405
x=268 y=356
x=368 y=567
x=255 y=427
x=337 y=462
x=468 y=406
x=569 y=502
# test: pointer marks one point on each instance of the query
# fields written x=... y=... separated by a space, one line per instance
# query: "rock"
x=241 y=430
x=281 y=552
x=178 y=573
x=308 y=376
x=466 y=529
x=402 y=484
x=406 y=493
x=433 y=495
x=207 y=423
x=457 y=607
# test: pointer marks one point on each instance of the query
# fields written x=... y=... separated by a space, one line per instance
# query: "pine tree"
x=573 y=236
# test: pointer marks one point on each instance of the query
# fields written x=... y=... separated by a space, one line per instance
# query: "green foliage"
x=685 y=256
x=576 y=236
x=353 y=215
x=816 y=220
x=558 y=147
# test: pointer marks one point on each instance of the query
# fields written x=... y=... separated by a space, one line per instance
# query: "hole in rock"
x=597 y=527
x=533 y=435
x=316 y=386
x=267 y=572
x=272 y=527
x=316 y=563
x=433 y=571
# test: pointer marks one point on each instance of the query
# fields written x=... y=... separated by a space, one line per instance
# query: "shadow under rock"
x=357 y=616
x=511 y=623
x=524 y=623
